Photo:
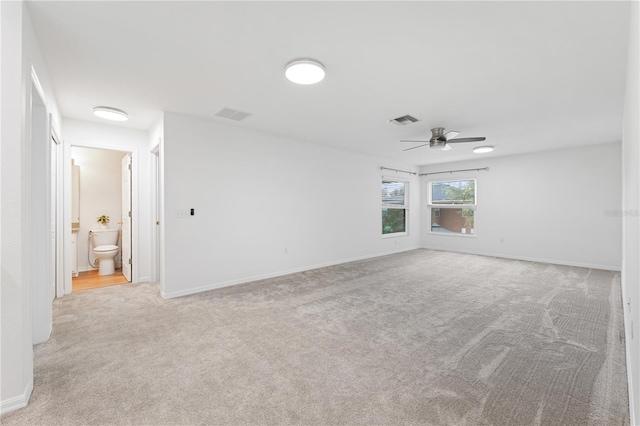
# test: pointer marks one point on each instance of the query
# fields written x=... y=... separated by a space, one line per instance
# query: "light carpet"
x=423 y=337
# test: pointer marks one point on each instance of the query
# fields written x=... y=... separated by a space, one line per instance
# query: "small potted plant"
x=103 y=220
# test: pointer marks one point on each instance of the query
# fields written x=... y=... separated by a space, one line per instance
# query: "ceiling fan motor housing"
x=437 y=139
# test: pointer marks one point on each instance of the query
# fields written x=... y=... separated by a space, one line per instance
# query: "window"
x=452 y=204
x=394 y=207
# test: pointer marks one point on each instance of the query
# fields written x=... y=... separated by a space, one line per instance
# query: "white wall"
x=105 y=136
x=631 y=214
x=33 y=58
x=16 y=353
x=20 y=54
x=549 y=206
x=256 y=195
x=100 y=193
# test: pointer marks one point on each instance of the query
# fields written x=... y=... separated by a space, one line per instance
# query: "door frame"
x=126 y=220
x=135 y=206
x=156 y=213
x=59 y=215
x=38 y=207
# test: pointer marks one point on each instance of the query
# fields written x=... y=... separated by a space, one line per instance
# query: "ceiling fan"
x=440 y=139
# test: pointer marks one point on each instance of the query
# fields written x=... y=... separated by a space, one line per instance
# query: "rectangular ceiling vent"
x=232 y=114
x=404 y=120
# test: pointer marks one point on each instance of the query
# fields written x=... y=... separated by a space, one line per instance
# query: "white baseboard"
x=143 y=280
x=16 y=402
x=529 y=259
x=214 y=286
x=633 y=417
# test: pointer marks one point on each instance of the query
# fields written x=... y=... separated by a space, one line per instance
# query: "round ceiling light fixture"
x=109 y=113
x=482 y=149
x=304 y=71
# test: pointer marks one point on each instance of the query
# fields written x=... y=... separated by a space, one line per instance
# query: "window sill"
x=395 y=234
x=452 y=234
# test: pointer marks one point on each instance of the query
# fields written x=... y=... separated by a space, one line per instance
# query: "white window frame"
x=404 y=207
x=431 y=206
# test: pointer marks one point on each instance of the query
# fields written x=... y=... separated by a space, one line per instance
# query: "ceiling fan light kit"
x=109 y=113
x=438 y=143
x=304 y=71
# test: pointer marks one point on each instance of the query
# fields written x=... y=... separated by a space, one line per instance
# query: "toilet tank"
x=105 y=237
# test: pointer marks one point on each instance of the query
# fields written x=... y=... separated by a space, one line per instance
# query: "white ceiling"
x=527 y=75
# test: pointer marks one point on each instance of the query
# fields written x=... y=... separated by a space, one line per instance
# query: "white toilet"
x=105 y=248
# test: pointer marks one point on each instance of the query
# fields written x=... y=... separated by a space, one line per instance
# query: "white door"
x=126 y=217
x=156 y=158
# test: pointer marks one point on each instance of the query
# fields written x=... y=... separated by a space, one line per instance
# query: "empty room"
x=320 y=213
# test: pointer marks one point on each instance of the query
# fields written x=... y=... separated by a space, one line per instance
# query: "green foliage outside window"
x=393 y=220
x=394 y=212
x=464 y=193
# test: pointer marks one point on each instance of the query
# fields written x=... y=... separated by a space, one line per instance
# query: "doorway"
x=103 y=191
x=40 y=214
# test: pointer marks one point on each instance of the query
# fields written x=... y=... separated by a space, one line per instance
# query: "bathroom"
x=98 y=178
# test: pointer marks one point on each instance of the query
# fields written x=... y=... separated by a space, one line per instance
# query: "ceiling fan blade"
x=447 y=148
x=451 y=134
x=414 y=147
x=407 y=140
x=478 y=139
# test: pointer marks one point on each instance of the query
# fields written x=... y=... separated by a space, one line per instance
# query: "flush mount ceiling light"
x=482 y=149
x=109 y=113
x=304 y=71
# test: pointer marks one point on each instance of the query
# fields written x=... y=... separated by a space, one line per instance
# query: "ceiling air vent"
x=404 y=120
x=232 y=114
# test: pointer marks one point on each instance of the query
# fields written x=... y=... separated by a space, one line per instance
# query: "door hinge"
x=130 y=261
x=129 y=213
x=129 y=166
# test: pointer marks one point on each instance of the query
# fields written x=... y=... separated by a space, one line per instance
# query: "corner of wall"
x=16 y=369
x=631 y=219
x=17 y=402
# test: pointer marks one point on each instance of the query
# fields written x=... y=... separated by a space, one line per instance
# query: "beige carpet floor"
x=423 y=337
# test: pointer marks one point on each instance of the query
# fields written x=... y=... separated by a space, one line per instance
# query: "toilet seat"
x=101 y=249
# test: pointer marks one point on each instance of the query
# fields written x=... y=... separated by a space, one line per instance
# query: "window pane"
x=393 y=220
x=393 y=192
x=453 y=192
x=457 y=221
